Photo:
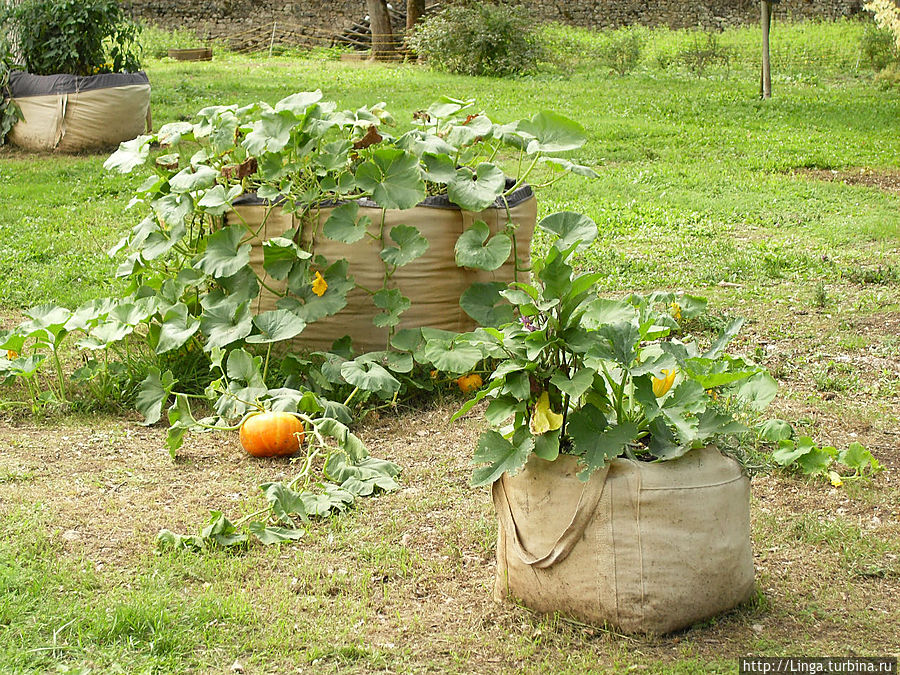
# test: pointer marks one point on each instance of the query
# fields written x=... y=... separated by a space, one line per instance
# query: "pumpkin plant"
x=596 y=377
x=193 y=248
x=335 y=470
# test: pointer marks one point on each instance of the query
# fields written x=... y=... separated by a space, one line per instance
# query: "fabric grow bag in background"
x=647 y=547
x=432 y=282
x=68 y=113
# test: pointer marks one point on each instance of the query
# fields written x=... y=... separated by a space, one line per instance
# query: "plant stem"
x=60 y=376
x=266 y=364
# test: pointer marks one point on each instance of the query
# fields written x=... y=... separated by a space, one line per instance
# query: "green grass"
x=681 y=159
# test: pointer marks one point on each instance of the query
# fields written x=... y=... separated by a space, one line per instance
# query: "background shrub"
x=480 y=39
x=877 y=46
x=622 y=53
x=705 y=50
x=81 y=37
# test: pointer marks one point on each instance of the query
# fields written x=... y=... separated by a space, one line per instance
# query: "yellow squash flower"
x=543 y=419
x=319 y=285
x=12 y=354
x=835 y=478
x=676 y=311
x=662 y=384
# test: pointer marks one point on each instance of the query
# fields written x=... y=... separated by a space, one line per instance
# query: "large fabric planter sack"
x=432 y=282
x=644 y=547
x=67 y=113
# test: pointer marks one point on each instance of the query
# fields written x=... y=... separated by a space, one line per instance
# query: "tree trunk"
x=383 y=45
x=414 y=11
x=765 y=82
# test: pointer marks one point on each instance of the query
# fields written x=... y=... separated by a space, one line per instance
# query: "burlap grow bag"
x=432 y=282
x=67 y=113
x=644 y=547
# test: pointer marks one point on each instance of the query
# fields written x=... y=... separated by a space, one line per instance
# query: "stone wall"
x=686 y=14
x=311 y=23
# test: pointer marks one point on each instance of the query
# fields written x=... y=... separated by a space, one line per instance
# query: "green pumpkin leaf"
x=177 y=327
x=153 y=394
x=394 y=361
x=476 y=190
x=393 y=302
x=617 y=342
x=299 y=103
x=279 y=256
x=224 y=324
x=285 y=502
x=450 y=357
x=410 y=245
x=757 y=391
x=245 y=367
x=392 y=177
x=348 y=442
x=596 y=442
x=560 y=164
x=575 y=387
x=104 y=334
x=130 y=155
x=311 y=307
x=408 y=340
x=711 y=424
x=790 y=451
x=775 y=430
x=222 y=531
x=192 y=179
x=344 y=226
x=551 y=132
x=271 y=133
x=501 y=455
x=571 y=228
x=217 y=201
x=438 y=168
x=271 y=534
x=339 y=468
x=167 y=538
x=501 y=409
x=446 y=107
x=856 y=457
x=173 y=208
x=546 y=445
x=484 y=302
x=474 y=249
x=369 y=376
x=717 y=348
x=815 y=461
x=225 y=255
x=276 y=325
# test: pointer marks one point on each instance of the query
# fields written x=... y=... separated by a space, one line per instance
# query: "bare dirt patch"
x=418 y=565
x=887 y=180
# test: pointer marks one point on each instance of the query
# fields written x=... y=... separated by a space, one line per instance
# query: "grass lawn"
x=786 y=212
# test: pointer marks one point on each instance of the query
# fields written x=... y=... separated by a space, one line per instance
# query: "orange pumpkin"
x=469 y=383
x=272 y=434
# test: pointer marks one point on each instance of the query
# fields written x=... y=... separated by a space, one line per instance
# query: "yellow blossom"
x=12 y=354
x=319 y=285
x=543 y=419
x=662 y=384
x=676 y=311
x=835 y=478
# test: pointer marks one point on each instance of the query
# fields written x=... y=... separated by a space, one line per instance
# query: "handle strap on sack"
x=584 y=512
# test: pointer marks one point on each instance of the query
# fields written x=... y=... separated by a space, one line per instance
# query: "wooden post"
x=765 y=82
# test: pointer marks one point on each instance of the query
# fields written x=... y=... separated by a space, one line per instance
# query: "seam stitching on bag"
x=694 y=487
